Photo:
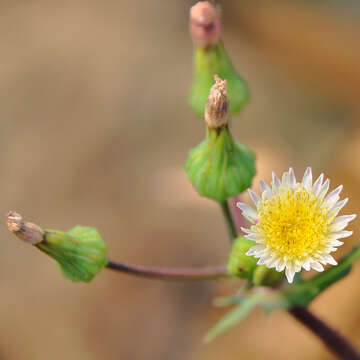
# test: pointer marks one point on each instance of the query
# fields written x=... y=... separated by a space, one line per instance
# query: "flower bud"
x=243 y=266
x=210 y=58
x=239 y=264
x=205 y=25
x=79 y=252
x=217 y=105
x=220 y=167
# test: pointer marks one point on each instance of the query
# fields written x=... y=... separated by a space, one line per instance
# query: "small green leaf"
x=269 y=300
x=232 y=318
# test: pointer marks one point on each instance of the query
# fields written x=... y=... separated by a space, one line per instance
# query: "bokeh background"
x=95 y=130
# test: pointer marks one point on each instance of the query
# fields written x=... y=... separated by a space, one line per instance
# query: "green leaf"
x=232 y=318
x=269 y=300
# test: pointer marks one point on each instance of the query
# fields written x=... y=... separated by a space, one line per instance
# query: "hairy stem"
x=335 y=342
x=204 y=273
x=230 y=225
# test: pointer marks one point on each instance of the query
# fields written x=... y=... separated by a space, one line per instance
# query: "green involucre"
x=79 y=252
x=219 y=167
x=239 y=264
x=208 y=62
x=243 y=266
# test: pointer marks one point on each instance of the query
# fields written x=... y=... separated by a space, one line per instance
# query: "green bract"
x=79 y=252
x=239 y=264
x=209 y=61
x=220 y=167
x=243 y=266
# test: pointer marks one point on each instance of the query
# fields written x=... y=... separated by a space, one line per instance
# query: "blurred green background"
x=95 y=130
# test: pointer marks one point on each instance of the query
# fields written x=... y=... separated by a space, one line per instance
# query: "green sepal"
x=80 y=252
x=209 y=61
x=220 y=167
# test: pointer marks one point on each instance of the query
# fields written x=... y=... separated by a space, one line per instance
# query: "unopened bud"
x=205 y=25
x=217 y=105
x=26 y=231
x=239 y=264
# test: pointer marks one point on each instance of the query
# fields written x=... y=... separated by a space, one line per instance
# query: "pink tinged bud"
x=26 y=231
x=205 y=25
x=217 y=105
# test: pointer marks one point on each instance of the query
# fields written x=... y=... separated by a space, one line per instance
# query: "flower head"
x=295 y=224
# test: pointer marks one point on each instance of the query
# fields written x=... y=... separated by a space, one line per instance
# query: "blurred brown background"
x=95 y=129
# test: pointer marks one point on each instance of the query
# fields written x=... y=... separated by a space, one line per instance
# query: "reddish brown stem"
x=335 y=342
x=204 y=273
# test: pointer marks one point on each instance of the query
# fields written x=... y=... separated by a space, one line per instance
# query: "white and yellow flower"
x=295 y=225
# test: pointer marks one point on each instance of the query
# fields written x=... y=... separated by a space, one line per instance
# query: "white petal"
x=307 y=179
x=341 y=222
x=324 y=189
x=306 y=265
x=285 y=179
x=275 y=183
x=273 y=262
x=317 y=266
x=333 y=197
x=252 y=237
x=265 y=190
x=338 y=206
x=290 y=272
x=329 y=259
x=254 y=250
x=317 y=184
x=280 y=266
x=261 y=261
x=246 y=231
x=248 y=211
x=336 y=243
x=297 y=267
x=292 y=178
x=339 y=234
x=254 y=197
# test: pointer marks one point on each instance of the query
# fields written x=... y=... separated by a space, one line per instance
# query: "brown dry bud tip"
x=26 y=231
x=217 y=105
x=205 y=25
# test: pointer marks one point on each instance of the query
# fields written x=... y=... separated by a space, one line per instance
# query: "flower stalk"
x=162 y=273
x=334 y=341
x=230 y=224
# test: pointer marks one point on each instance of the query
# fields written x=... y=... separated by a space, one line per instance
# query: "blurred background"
x=95 y=129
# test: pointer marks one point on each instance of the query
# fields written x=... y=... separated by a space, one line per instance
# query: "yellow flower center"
x=294 y=224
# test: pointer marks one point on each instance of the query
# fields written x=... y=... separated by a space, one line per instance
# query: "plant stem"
x=230 y=225
x=335 y=342
x=204 y=273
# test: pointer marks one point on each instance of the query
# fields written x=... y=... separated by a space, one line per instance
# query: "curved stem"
x=205 y=273
x=230 y=225
x=335 y=342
